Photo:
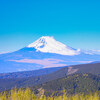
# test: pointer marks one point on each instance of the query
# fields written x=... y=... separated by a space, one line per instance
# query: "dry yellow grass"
x=29 y=95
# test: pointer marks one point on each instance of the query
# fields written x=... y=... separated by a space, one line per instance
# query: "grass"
x=27 y=94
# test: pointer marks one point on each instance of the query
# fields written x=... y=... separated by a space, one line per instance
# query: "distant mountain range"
x=26 y=74
x=46 y=52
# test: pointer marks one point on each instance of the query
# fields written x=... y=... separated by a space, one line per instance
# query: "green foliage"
x=75 y=83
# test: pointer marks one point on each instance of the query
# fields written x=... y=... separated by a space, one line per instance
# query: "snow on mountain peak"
x=50 y=45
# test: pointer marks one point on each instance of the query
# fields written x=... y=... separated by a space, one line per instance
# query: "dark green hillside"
x=93 y=68
x=76 y=83
x=36 y=80
x=31 y=81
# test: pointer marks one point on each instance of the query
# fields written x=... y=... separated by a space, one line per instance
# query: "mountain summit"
x=50 y=45
x=46 y=52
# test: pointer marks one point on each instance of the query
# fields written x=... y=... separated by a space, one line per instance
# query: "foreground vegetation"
x=27 y=94
x=73 y=84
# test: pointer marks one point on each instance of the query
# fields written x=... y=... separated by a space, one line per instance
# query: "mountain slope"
x=32 y=81
x=7 y=83
x=50 y=45
x=35 y=56
x=85 y=68
x=26 y=74
x=73 y=84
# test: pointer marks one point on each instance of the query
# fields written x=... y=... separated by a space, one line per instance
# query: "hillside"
x=25 y=74
x=36 y=80
x=76 y=83
x=7 y=83
x=93 y=68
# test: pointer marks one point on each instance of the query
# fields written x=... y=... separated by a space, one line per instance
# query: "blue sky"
x=73 y=22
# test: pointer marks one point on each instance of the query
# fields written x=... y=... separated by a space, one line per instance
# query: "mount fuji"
x=50 y=45
x=46 y=52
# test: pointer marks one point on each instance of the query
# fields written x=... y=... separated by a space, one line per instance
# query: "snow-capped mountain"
x=46 y=52
x=50 y=45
